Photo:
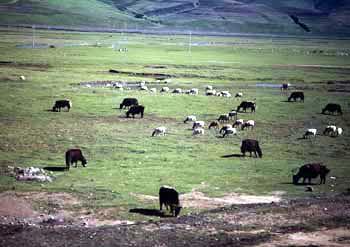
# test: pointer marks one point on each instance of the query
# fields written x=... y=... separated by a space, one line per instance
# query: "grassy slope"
x=122 y=156
x=253 y=17
x=65 y=13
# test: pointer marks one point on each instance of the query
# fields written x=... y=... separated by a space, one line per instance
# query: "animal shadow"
x=299 y=184
x=232 y=155
x=55 y=168
x=148 y=212
x=49 y=110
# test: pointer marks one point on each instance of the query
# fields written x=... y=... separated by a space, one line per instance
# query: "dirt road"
x=302 y=222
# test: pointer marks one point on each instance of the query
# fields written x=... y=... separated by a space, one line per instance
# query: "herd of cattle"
x=169 y=196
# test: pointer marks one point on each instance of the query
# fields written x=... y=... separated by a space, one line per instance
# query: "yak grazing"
x=312 y=170
x=73 y=156
x=127 y=102
x=332 y=108
x=250 y=145
x=246 y=104
x=134 y=110
x=296 y=95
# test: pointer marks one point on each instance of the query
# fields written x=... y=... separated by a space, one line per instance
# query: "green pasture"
x=124 y=159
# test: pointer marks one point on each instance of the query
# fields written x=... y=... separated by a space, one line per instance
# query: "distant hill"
x=325 y=17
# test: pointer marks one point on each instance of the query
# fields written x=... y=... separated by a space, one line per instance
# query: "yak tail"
x=258 y=150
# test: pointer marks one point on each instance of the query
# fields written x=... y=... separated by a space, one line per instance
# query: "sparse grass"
x=122 y=156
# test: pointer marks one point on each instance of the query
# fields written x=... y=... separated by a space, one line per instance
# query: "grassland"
x=123 y=159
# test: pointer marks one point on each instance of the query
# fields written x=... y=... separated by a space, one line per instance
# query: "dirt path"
x=302 y=222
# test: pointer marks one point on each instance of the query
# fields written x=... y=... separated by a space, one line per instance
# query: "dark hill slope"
x=324 y=17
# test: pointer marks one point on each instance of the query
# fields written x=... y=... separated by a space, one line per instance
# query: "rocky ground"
x=313 y=221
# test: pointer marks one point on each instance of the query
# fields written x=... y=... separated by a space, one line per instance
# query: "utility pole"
x=190 y=43
x=33 y=36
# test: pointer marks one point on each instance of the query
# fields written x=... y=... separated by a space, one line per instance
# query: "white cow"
x=194 y=91
x=177 y=90
x=225 y=127
x=198 y=131
x=339 y=131
x=164 y=89
x=153 y=90
x=230 y=131
x=239 y=95
x=330 y=130
x=190 y=118
x=247 y=124
x=159 y=131
x=198 y=124
x=310 y=132
x=210 y=92
x=226 y=94
x=144 y=88
x=238 y=122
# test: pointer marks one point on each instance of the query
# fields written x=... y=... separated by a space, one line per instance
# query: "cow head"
x=177 y=210
x=295 y=179
x=84 y=162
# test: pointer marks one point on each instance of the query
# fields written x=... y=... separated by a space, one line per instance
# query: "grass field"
x=124 y=159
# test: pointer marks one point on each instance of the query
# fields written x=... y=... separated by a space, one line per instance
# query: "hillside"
x=247 y=16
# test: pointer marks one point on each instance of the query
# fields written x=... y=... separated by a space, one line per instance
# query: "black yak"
x=73 y=156
x=224 y=118
x=136 y=109
x=250 y=145
x=332 y=108
x=245 y=105
x=61 y=104
x=312 y=170
x=296 y=95
x=127 y=102
x=170 y=198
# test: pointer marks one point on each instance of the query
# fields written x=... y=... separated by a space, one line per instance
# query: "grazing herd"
x=168 y=196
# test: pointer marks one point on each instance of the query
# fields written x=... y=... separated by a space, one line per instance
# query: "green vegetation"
x=123 y=159
x=257 y=16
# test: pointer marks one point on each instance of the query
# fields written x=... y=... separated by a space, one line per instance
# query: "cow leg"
x=250 y=153
x=304 y=180
x=172 y=210
x=160 y=206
